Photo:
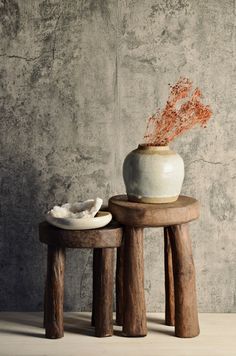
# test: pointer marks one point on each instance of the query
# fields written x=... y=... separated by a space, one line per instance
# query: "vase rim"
x=148 y=147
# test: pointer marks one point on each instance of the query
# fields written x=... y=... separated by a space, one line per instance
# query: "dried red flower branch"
x=177 y=116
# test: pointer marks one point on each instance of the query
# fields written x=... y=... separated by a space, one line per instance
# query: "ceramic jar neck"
x=145 y=147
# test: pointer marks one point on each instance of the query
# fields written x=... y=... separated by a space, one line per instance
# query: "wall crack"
x=14 y=56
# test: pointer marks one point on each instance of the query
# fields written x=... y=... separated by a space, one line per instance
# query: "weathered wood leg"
x=134 y=323
x=104 y=298
x=186 y=316
x=45 y=304
x=169 y=281
x=95 y=283
x=55 y=293
x=119 y=285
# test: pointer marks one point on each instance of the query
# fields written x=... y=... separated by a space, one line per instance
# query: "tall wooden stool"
x=103 y=241
x=180 y=290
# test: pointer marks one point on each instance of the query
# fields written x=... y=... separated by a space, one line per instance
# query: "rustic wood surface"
x=169 y=281
x=129 y=213
x=55 y=293
x=181 y=301
x=120 y=285
x=134 y=323
x=104 y=293
x=103 y=241
x=186 y=315
x=108 y=236
x=45 y=303
x=96 y=271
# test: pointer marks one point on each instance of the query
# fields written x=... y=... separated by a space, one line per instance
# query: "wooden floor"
x=22 y=334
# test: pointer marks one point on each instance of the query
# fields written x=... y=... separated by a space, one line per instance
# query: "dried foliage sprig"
x=183 y=110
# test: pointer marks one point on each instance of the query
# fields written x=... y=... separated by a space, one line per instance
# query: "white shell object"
x=153 y=174
x=78 y=210
x=86 y=223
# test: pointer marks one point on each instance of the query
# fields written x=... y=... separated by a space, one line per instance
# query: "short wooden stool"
x=180 y=290
x=103 y=241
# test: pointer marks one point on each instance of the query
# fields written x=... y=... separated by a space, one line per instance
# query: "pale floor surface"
x=21 y=334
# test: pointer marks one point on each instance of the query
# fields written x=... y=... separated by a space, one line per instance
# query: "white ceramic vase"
x=153 y=174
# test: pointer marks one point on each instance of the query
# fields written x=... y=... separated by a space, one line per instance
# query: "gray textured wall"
x=77 y=81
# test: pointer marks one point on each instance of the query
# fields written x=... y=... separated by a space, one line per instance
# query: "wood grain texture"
x=129 y=213
x=169 y=281
x=120 y=285
x=134 y=323
x=186 y=315
x=96 y=271
x=45 y=303
x=108 y=236
x=104 y=293
x=55 y=293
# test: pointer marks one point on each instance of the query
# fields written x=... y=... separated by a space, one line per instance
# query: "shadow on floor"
x=78 y=324
x=167 y=332
x=29 y=319
x=73 y=323
x=154 y=319
x=22 y=333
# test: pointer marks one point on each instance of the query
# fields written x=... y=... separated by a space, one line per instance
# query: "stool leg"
x=186 y=316
x=104 y=298
x=135 y=323
x=55 y=293
x=95 y=283
x=169 y=281
x=45 y=304
x=119 y=285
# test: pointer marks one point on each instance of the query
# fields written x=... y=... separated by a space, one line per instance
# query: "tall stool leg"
x=186 y=316
x=54 y=295
x=96 y=273
x=169 y=281
x=135 y=323
x=104 y=298
x=119 y=285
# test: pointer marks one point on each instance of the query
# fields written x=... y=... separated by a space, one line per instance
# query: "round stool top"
x=108 y=236
x=183 y=210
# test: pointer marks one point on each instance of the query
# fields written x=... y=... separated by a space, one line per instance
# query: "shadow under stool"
x=103 y=241
x=180 y=289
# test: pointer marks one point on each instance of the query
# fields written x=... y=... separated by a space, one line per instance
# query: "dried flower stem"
x=172 y=121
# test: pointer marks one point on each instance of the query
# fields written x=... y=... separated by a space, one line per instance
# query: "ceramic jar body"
x=153 y=174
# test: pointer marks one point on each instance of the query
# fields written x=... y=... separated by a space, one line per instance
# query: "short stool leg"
x=186 y=315
x=104 y=294
x=45 y=304
x=169 y=281
x=119 y=285
x=95 y=282
x=54 y=296
x=135 y=322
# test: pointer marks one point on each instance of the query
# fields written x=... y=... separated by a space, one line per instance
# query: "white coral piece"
x=78 y=210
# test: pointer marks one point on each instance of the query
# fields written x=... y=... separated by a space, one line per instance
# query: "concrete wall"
x=77 y=82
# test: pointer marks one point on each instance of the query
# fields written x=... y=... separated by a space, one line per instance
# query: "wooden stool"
x=180 y=290
x=103 y=241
